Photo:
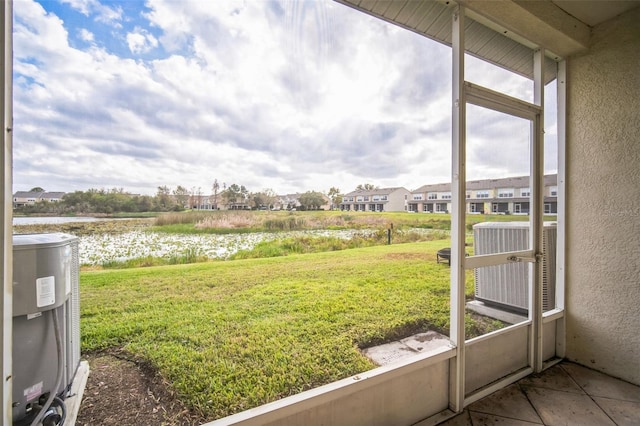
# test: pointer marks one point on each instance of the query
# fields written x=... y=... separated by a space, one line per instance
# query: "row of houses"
x=281 y=202
x=487 y=196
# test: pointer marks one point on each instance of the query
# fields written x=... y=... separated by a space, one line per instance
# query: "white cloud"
x=86 y=35
x=82 y=6
x=292 y=96
x=141 y=41
x=102 y=13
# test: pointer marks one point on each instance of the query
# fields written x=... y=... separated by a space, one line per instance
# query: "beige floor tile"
x=566 y=408
x=509 y=402
x=598 y=384
x=461 y=419
x=554 y=378
x=481 y=419
x=624 y=413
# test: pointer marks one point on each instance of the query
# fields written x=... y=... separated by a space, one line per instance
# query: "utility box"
x=45 y=284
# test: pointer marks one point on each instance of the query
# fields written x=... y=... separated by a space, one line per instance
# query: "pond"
x=98 y=249
x=51 y=220
x=132 y=238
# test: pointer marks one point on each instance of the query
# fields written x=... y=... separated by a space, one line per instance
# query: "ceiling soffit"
x=496 y=42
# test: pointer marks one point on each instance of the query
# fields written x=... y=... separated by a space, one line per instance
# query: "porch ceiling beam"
x=541 y=22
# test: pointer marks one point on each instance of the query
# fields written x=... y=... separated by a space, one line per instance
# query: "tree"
x=198 y=195
x=336 y=197
x=182 y=195
x=36 y=189
x=144 y=203
x=265 y=199
x=312 y=200
x=231 y=194
x=164 y=197
x=215 y=188
x=257 y=200
x=270 y=197
x=108 y=201
x=366 y=187
x=235 y=196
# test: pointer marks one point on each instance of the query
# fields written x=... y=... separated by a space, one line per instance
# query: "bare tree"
x=214 y=198
x=199 y=198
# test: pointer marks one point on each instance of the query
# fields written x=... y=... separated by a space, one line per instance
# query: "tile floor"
x=566 y=394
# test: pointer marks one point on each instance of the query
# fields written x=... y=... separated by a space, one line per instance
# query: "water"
x=46 y=220
x=101 y=248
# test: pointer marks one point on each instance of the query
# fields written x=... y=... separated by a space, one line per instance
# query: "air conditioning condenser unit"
x=46 y=325
x=507 y=285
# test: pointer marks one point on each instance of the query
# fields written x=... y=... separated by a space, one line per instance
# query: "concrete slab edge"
x=78 y=386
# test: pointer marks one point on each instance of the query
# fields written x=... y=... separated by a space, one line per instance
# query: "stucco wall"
x=603 y=201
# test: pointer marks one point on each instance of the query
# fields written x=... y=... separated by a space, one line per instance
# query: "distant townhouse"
x=376 y=200
x=52 y=197
x=29 y=198
x=434 y=198
x=487 y=196
x=287 y=202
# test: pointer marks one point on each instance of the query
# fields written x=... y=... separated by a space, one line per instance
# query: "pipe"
x=54 y=391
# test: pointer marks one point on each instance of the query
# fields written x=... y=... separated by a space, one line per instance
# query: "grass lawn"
x=233 y=335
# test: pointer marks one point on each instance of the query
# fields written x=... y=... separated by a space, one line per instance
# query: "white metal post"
x=537 y=209
x=6 y=253
x=560 y=257
x=458 y=181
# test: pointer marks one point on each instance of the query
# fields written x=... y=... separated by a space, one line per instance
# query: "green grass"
x=229 y=336
x=317 y=244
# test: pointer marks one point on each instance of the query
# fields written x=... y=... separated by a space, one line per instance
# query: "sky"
x=287 y=95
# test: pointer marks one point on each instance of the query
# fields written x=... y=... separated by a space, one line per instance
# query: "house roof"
x=49 y=195
x=27 y=194
x=38 y=194
x=436 y=187
x=510 y=182
x=375 y=191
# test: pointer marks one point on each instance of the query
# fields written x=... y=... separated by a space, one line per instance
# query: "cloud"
x=86 y=35
x=82 y=6
x=141 y=41
x=288 y=95
x=102 y=13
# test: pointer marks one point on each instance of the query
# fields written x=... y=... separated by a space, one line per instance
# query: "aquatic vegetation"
x=177 y=238
x=105 y=249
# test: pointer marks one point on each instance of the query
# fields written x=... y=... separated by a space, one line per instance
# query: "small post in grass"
x=389 y=234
